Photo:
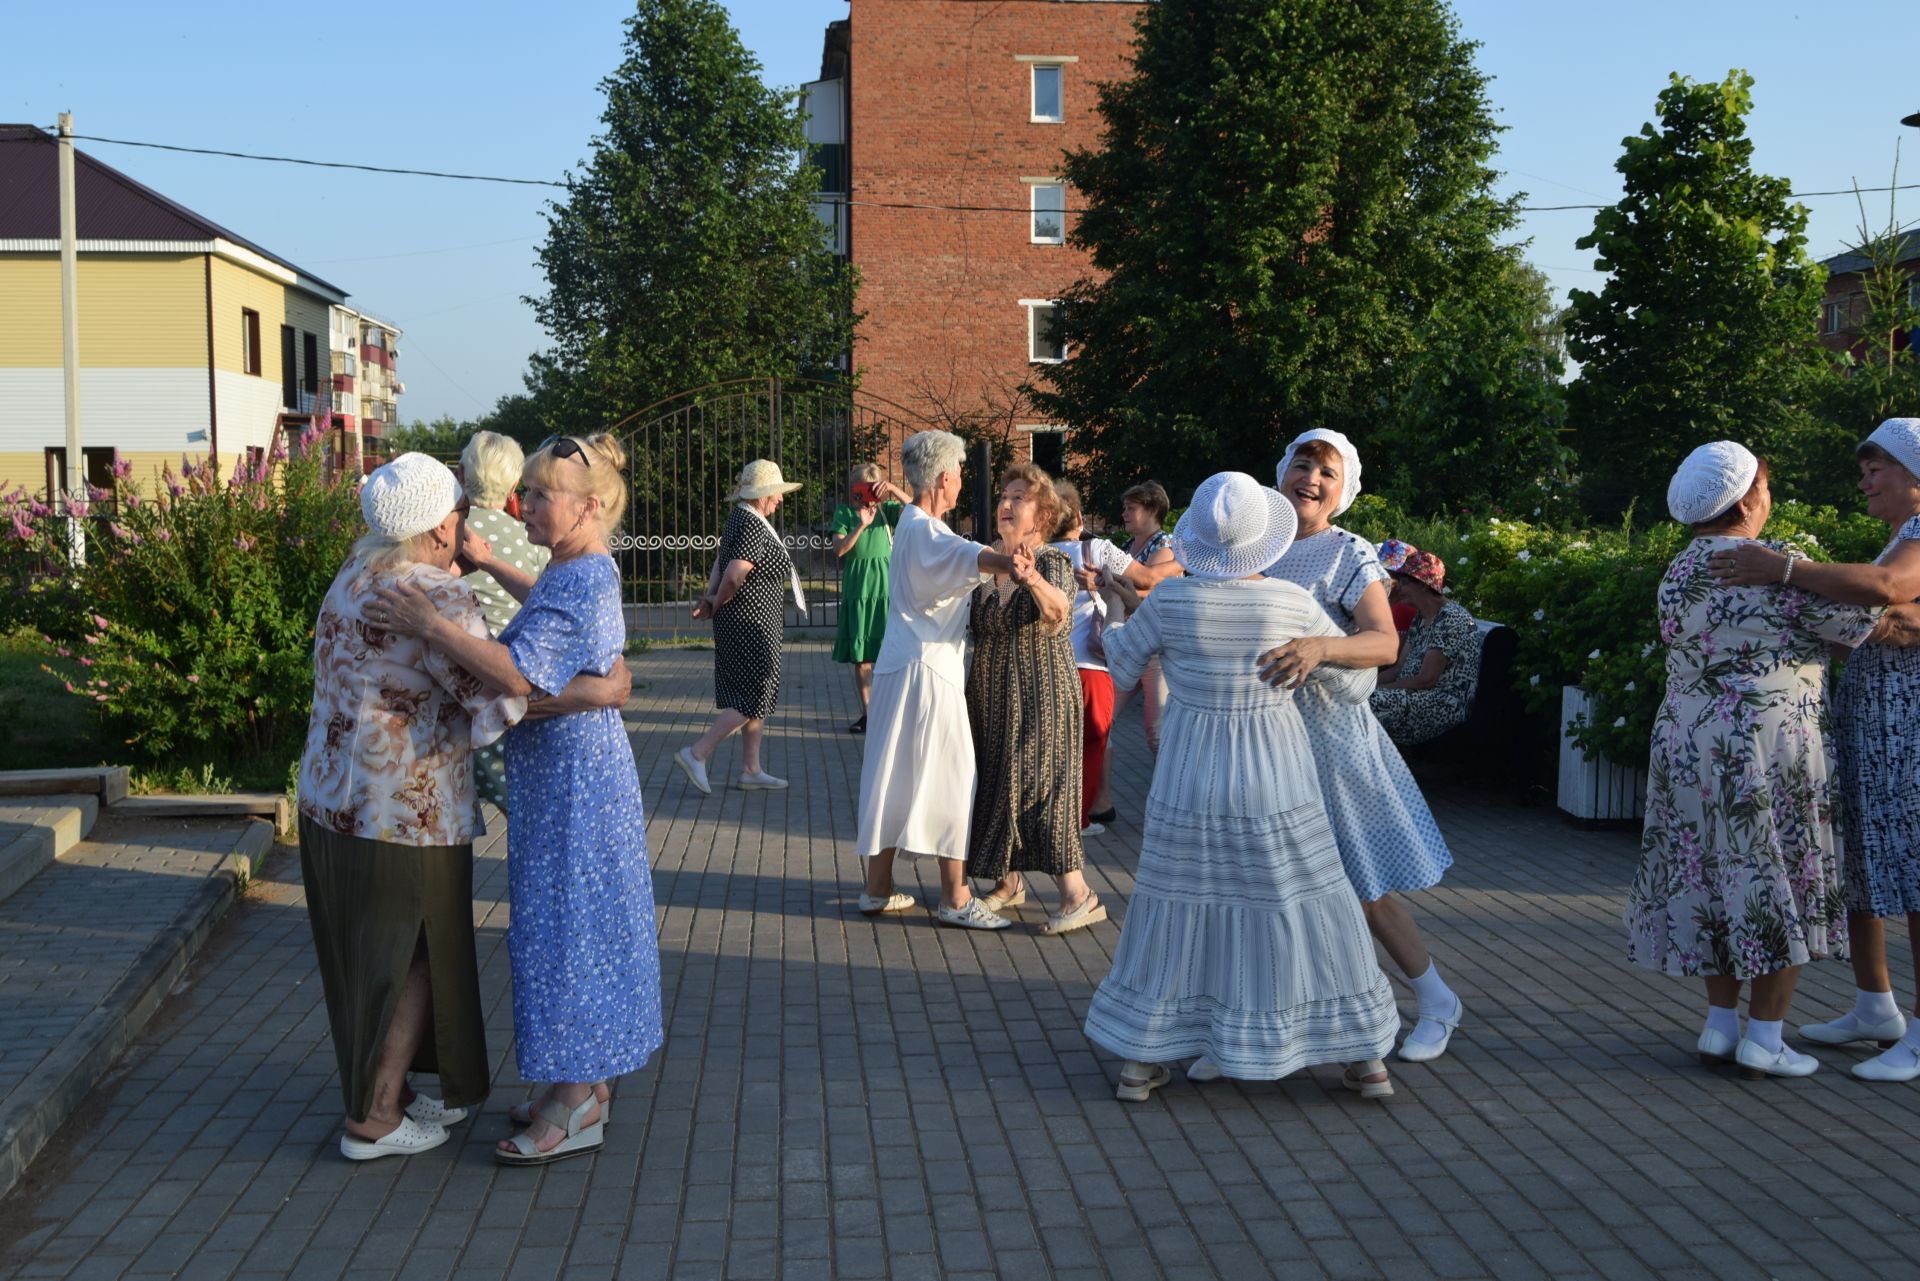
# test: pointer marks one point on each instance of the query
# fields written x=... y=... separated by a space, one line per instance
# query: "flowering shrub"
x=188 y=628
x=1581 y=603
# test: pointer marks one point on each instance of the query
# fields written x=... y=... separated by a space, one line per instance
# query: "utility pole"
x=70 y=339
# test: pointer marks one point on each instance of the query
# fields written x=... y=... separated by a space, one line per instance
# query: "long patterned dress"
x=1243 y=938
x=1023 y=706
x=586 y=961
x=1389 y=842
x=1739 y=870
x=1877 y=732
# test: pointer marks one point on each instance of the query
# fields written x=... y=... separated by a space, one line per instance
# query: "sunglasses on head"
x=566 y=447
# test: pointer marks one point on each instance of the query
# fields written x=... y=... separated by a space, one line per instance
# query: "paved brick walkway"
x=844 y=1098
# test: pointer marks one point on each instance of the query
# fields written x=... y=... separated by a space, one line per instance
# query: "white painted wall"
x=148 y=410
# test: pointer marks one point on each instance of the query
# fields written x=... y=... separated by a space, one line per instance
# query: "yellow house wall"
x=235 y=288
x=137 y=311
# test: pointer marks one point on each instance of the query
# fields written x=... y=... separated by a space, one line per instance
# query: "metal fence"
x=684 y=454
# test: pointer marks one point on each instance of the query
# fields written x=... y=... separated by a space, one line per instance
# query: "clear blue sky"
x=508 y=89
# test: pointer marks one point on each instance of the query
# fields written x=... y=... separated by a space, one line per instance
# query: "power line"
x=823 y=196
x=321 y=164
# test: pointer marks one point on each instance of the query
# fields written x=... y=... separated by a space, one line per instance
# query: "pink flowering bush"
x=188 y=627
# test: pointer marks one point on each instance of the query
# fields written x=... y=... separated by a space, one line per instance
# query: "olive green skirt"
x=371 y=904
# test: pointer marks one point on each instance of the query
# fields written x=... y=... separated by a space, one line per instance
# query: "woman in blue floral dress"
x=586 y=961
x=1740 y=874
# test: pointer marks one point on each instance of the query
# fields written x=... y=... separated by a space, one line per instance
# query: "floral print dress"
x=1740 y=873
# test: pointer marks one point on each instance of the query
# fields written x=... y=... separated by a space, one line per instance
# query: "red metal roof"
x=108 y=204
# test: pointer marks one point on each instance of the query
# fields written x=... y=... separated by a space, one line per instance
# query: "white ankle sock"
x=1436 y=998
x=1874 y=1007
x=1725 y=1020
x=1765 y=1034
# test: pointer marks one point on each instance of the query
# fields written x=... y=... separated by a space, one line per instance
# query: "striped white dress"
x=1243 y=939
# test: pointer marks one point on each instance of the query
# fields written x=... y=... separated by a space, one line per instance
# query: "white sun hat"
x=408 y=495
x=1349 y=456
x=1234 y=528
x=758 y=479
x=1900 y=437
x=1710 y=480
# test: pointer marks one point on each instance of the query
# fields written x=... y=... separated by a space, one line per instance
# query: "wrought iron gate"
x=684 y=454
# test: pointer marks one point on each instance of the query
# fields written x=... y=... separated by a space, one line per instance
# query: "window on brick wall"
x=1045 y=346
x=1832 y=315
x=1049 y=201
x=1048 y=445
x=1049 y=103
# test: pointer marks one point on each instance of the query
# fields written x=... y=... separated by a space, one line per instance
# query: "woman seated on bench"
x=1431 y=689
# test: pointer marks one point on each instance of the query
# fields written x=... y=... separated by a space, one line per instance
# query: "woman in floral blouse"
x=1740 y=876
x=387 y=819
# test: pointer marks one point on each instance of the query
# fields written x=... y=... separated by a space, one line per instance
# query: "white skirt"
x=916 y=783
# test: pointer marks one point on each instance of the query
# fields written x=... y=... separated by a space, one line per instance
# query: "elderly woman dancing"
x=586 y=962
x=746 y=599
x=1879 y=774
x=1024 y=700
x=1244 y=943
x=917 y=780
x=1739 y=878
x=1388 y=840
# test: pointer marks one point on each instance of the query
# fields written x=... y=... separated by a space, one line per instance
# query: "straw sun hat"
x=758 y=479
x=1234 y=528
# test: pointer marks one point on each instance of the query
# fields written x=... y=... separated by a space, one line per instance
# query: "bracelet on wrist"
x=1793 y=557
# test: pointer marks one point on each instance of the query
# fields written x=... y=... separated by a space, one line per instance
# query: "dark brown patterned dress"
x=1023 y=702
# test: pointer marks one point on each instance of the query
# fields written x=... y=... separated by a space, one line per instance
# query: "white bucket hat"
x=1349 y=456
x=1234 y=528
x=408 y=495
x=1900 y=437
x=1710 y=480
x=758 y=479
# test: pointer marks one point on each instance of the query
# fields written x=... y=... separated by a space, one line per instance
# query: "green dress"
x=863 y=583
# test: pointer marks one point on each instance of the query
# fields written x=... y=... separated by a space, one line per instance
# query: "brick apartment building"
x=1844 y=305
x=948 y=103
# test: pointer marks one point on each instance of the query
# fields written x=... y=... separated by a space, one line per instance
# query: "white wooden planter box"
x=1593 y=789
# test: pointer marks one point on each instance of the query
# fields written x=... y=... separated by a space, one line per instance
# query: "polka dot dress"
x=747 y=630
x=1388 y=840
x=586 y=959
x=508 y=537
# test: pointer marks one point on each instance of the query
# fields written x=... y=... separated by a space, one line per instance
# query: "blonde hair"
x=1040 y=492
x=604 y=478
x=864 y=472
x=490 y=467
x=378 y=551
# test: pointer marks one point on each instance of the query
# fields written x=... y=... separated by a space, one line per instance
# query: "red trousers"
x=1096 y=702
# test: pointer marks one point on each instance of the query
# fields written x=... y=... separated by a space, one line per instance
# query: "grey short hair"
x=490 y=467
x=929 y=455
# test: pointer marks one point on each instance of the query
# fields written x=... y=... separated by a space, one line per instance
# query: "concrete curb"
x=67 y=821
x=56 y=1088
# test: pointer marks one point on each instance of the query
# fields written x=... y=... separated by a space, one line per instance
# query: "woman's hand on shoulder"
x=1748 y=565
x=1289 y=665
x=403 y=607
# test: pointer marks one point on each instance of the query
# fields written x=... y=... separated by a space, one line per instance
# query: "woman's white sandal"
x=406 y=1139
x=431 y=1111
x=580 y=1139
x=1090 y=911
x=1138 y=1080
x=1365 y=1088
x=522 y=1113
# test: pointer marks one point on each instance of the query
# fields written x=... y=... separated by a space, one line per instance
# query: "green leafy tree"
x=1705 y=327
x=443 y=438
x=1283 y=193
x=1481 y=426
x=686 y=250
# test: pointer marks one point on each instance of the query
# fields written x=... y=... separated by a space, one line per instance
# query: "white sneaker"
x=974 y=916
x=1093 y=829
x=695 y=769
x=1756 y=1062
x=1203 y=1069
x=1848 y=1028
x=874 y=905
x=761 y=782
x=1901 y=1063
x=431 y=1111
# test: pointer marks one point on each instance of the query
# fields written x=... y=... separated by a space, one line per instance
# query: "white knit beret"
x=408 y=496
x=1901 y=438
x=1712 y=479
x=1349 y=488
